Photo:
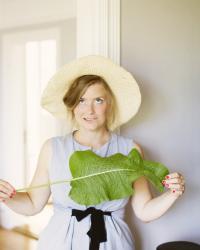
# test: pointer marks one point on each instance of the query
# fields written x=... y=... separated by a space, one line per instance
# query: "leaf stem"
x=73 y=179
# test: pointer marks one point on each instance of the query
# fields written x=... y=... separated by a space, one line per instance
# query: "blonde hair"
x=79 y=87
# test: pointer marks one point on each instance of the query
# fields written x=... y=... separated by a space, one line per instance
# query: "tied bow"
x=97 y=231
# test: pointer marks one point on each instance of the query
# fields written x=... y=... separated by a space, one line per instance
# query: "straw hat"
x=121 y=82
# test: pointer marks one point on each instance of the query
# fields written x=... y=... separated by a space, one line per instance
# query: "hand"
x=7 y=191
x=175 y=182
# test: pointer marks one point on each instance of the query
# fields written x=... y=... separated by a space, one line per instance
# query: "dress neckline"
x=91 y=148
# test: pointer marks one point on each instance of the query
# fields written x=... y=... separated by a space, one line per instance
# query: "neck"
x=93 y=139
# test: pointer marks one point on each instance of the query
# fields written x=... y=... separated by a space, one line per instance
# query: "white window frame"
x=98 y=28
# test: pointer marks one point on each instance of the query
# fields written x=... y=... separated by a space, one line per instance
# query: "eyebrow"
x=94 y=97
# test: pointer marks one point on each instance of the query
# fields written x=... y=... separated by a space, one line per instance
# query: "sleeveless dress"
x=64 y=232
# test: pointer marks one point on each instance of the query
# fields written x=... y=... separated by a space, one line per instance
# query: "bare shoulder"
x=139 y=148
x=44 y=156
x=47 y=145
x=46 y=149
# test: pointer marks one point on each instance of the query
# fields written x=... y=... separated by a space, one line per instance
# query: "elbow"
x=35 y=206
x=27 y=212
x=36 y=210
x=143 y=218
x=146 y=218
x=32 y=212
x=141 y=215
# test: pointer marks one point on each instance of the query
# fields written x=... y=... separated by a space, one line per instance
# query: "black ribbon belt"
x=97 y=231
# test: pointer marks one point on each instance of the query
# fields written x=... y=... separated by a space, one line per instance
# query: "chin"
x=93 y=128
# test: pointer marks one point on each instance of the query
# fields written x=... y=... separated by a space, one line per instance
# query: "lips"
x=89 y=119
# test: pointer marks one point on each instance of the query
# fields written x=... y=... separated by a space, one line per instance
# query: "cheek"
x=76 y=112
x=78 y=109
x=102 y=110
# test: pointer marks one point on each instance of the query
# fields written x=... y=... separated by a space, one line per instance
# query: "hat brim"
x=121 y=82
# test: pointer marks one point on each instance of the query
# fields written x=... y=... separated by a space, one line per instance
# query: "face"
x=90 y=113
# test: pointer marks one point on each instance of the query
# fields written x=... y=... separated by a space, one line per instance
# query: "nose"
x=90 y=108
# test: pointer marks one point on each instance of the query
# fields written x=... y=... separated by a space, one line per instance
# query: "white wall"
x=160 y=45
x=26 y=12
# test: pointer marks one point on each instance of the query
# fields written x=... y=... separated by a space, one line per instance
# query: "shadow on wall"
x=130 y=219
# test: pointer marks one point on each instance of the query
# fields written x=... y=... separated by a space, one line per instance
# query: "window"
x=40 y=65
x=29 y=59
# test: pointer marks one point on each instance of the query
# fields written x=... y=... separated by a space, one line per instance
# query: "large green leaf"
x=97 y=179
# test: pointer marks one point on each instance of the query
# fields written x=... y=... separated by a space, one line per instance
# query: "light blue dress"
x=64 y=232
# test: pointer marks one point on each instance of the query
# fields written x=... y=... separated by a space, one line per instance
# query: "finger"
x=176 y=187
x=173 y=180
x=4 y=196
x=177 y=192
x=182 y=179
x=7 y=185
x=5 y=190
x=173 y=175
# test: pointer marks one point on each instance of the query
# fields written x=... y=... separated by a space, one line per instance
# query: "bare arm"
x=33 y=201
x=148 y=208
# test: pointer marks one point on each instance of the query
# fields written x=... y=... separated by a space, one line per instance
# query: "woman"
x=96 y=96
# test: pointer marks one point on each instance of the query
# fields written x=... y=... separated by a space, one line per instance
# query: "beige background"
x=160 y=45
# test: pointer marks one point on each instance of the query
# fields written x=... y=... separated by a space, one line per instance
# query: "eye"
x=99 y=100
